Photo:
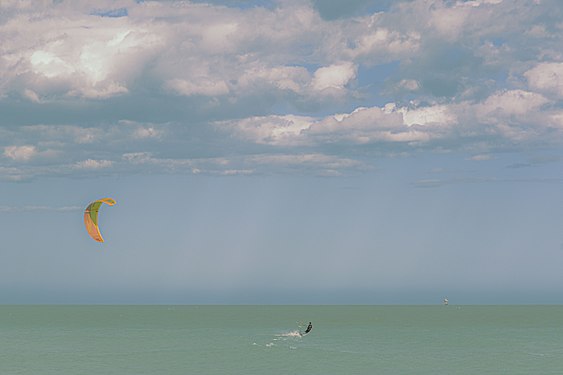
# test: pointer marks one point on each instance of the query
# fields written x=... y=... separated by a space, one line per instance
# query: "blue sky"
x=282 y=151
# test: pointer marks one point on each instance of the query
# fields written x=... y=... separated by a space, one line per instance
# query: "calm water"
x=262 y=340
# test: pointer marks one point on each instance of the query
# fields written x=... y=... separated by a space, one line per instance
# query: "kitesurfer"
x=309 y=328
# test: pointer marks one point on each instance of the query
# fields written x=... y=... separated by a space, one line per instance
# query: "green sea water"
x=236 y=340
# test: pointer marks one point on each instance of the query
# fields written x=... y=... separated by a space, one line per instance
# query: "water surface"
x=264 y=340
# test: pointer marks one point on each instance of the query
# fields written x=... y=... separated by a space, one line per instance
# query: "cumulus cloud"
x=376 y=42
x=364 y=125
x=507 y=104
x=83 y=55
x=284 y=78
x=185 y=48
x=272 y=130
x=124 y=86
x=546 y=77
x=507 y=114
x=334 y=77
x=438 y=114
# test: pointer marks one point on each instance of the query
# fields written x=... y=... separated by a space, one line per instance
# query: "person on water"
x=309 y=328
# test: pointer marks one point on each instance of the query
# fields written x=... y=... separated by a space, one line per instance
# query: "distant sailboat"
x=446 y=302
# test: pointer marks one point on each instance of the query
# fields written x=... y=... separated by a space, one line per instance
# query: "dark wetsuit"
x=309 y=328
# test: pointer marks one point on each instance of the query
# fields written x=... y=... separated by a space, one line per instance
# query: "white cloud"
x=138 y=130
x=409 y=84
x=204 y=86
x=138 y=157
x=469 y=75
x=76 y=54
x=107 y=90
x=93 y=164
x=20 y=153
x=335 y=76
x=187 y=48
x=481 y=157
x=507 y=114
x=382 y=43
x=556 y=119
x=49 y=65
x=148 y=132
x=547 y=78
x=233 y=172
x=217 y=37
x=449 y=22
x=439 y=114
x=273 y=130
x=362 y=126
x=509 y=103
x=284 y=78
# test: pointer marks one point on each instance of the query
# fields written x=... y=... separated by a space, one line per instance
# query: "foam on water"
x=280 y=338
x=290 y=334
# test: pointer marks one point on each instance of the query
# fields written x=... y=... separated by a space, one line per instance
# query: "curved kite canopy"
x=91 y=218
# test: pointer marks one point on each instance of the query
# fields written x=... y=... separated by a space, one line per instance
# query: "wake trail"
x=280 y=338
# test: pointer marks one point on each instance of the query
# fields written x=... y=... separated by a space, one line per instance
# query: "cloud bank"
x=184 y=87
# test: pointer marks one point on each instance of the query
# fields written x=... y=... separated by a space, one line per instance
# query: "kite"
x=91 y=218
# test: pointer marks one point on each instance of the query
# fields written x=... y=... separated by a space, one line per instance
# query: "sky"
x=282 y=151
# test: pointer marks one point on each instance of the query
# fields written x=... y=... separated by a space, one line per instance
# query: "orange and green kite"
x=91 y=218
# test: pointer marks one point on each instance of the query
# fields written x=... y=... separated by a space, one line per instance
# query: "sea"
x=233 y=340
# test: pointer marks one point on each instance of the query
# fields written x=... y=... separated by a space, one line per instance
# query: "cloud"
x=481 y=157
x=93 y=164
x=409 y=84
x=503 y=117
x=333 y=77
x=188 y=49
x=203 y=86
x=20 y=153
x=382 y=44
x=363 y=125
x=133 y=87
x=272 y=130
x=78 y=54
x=509 y=103
x=547 y=78
x=437 y=114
